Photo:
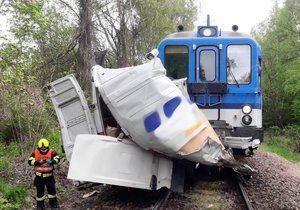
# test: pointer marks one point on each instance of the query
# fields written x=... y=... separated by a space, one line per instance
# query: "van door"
x=72 y=111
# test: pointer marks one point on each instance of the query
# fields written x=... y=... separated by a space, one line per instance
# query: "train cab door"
x=207 y=88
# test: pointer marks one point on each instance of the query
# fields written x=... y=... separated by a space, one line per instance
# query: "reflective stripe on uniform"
x=43 y=168
x=43 y=175
x=32 y=159
x=51 y=196
x=56 y=158
x=41 y=199
x=32 y=162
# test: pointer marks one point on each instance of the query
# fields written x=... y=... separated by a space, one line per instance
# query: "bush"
x=4 y=164
x=25 y=115
x=14 y=197
x=14 y=149
x=275 y=130
x=54 y=137
x=287 y=138
x=5 y=205
x=2 y=149
x=2 y=136
x=293 y=132
x=273 y=136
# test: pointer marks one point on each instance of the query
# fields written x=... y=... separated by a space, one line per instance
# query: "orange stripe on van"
x=194 y=127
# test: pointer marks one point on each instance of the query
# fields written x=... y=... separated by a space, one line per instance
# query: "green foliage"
x=54 y=137
x=276 y=140
x=37 y=52
x=293 y=132
x=11 y=196
x=4 y=163
x=42 y=35
x=275 y=130
x=133 y=28
x=285 y=153
x=292 y=87
x=2 y=137
x=26 y=116
x=151 y=13
x=285 y=142
x=14 y=149
x=279 y=38
x=6 y=205
x=8 y=152
x=14 y=196
x=2 y=149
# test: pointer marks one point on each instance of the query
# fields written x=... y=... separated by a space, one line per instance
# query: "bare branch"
x=1 y=4
x=109 y=36
x=70 y=7
x=62 y=54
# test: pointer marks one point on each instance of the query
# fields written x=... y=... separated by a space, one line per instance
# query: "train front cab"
x=224 y=79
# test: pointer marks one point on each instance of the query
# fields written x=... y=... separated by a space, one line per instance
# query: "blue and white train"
x=223 y=71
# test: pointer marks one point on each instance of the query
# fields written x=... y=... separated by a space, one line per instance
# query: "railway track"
x=218 y=191
x=245 y=196
x=211 y=190
x=160 y=204
x=240 y=180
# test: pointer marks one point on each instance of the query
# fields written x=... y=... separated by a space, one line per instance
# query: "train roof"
x=190 y=34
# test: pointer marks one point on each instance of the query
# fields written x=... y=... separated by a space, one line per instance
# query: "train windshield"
x=238 y=64
x=176 y=61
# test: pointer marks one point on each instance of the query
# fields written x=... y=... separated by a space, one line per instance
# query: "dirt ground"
x=275 y=186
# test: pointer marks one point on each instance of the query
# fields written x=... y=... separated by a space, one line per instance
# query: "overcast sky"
x=244 y=13
x=224 y=13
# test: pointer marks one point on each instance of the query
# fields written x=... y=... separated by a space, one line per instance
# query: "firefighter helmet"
x=43 y=145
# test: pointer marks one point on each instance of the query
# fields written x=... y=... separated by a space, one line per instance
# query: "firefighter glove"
x=50 y=162
x=37 y=163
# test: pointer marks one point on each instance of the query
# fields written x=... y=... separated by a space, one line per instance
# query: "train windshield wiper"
x=231 y=73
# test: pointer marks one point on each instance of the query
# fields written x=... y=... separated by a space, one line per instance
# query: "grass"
x=13 y=196
x=283 y=152
x=207 y=195
x=4 y=164
x=283 y=142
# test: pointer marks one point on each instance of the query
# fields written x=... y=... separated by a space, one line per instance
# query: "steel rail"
x=159 y=205
x=244 y=193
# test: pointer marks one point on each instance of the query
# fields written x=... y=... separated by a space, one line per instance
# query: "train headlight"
x=247 y=119
x=247 y=109
x=207 y=31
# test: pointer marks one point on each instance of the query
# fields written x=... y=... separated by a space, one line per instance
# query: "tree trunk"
x=85 y=55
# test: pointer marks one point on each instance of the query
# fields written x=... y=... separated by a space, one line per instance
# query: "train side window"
x=259 y=66
x=239 y=64
x=176 y=61
x=259 y=71
x=207 y=65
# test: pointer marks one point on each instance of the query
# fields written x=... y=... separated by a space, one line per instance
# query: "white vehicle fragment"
x=72 y=111
x=105 y=159
x=157 y=115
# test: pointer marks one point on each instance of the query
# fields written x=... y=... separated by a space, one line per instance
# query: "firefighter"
x=43 y=159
